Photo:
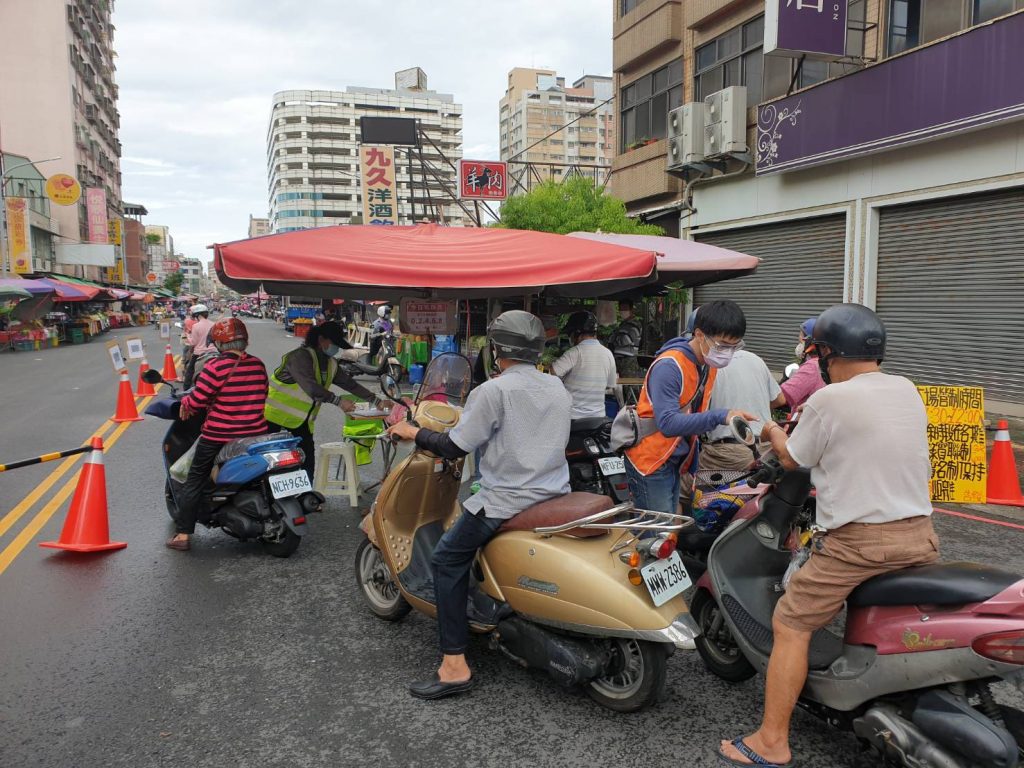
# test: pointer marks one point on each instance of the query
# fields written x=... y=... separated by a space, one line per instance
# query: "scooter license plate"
x=666 y=578
x=616 y=465
x=289 y=484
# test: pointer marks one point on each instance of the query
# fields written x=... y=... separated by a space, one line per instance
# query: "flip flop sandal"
x=751 y=755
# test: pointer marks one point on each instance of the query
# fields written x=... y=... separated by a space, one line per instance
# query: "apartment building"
x=258 y=227
x=881 y=173
x=160 y=246
x=558 y=129
x=313 y=154
x=58 y=98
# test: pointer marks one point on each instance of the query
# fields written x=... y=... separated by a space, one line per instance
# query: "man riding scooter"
x=868 y=528
x=520 y=465
x=587 y=369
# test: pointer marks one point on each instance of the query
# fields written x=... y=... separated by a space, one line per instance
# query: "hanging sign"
x=114 y=231
x=114 y=350
x=165 y=329
x=815 y=28
x=17 y=235
x=135 y=348
x=377 y=169
x=420 y=316
x=483 y=180
x=956 y=443
x=151 y=277
x=96 y=214
x=63 y=189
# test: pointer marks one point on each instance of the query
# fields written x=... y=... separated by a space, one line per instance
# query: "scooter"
x=912 y=675
x=258 y=490
x=593 y=466
x=567 y=586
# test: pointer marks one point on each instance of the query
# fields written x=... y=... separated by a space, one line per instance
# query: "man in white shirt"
x=745 y=384
x=587 y=369
x=865 y=439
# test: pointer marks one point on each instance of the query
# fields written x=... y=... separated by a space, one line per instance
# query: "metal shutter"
x=801 y=273
x=951 y=291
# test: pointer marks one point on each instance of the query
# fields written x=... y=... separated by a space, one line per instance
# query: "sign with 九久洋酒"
x=956 y=442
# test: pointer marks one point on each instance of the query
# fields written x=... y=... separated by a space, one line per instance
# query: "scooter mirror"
x=791 y=369
x=151 y=376
x=389 y=387
x=741 y=430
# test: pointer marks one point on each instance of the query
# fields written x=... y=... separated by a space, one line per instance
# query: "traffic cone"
x=125 y=401
x=170 y=373
x=143 y=388
x=1003 y=481
x=86 y=528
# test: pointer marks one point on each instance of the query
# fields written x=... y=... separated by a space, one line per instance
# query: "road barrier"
x=45 y=457
x=126 y=410
x=143 y=388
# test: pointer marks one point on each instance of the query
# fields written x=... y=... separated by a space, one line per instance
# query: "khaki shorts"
x=844 y=558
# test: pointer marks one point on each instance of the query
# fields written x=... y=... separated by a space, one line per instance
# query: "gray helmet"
x=850 y=331
x=517 y=335
x=583 y=321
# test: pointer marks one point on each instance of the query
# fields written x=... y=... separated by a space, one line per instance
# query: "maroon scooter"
x=912 y=676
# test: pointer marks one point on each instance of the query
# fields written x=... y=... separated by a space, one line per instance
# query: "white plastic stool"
x=346 y=478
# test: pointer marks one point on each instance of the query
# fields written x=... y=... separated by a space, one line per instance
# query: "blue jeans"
x=658 y=491
x=452 y=561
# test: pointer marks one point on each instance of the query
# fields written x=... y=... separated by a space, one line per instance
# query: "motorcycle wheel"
x=375 y=581
x=285 y=546
x=396 y=372
x=637 y=679
x=716 y=646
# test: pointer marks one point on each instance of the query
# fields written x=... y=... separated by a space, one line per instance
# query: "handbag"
x=629 y=427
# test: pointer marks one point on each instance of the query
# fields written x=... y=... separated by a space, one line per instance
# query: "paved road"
x=223 y=656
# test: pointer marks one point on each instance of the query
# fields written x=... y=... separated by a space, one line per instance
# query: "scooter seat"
x=559 y=511
x=939 y=584
x=589 y=424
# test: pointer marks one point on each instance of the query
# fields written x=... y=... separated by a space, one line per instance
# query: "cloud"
x=196 y=82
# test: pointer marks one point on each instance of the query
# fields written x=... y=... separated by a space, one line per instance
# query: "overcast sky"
x=196 y=79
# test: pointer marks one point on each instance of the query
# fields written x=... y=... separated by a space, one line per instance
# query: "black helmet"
x=517 y=335
x=581 y=322
x=850 y=331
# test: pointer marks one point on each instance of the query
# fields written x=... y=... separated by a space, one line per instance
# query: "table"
x=627 y=390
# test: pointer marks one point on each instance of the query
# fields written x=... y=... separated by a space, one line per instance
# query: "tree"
x=153 y=239
x=173 y=282
x=574 y=205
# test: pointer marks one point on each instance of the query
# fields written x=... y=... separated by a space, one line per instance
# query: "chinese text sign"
x=483 y=180
x=380 y=192
x=816 y=28
x=956 y=442
x=17 y=234
x=428 y=317
x=96 y=214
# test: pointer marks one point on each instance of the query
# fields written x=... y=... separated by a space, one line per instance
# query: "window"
x=627 y=6
x=916 y=22
x=644 y=104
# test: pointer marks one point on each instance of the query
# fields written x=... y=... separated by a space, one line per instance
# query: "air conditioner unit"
x=725 y=122
x=686 y=135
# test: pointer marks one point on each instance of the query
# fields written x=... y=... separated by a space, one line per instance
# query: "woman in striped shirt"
x=232 y=389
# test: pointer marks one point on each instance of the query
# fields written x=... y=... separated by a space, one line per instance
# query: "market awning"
x=382 y=262
x=67 y=292
x=93 y=291
x=11 y=287
x=686 y=262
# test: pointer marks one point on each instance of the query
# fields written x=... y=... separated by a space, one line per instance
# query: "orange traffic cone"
x=170 y=373
x=125 y=401
x=143 y=388
x=1003 y=481
x=86 y=528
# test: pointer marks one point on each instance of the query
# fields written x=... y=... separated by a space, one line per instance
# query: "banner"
x=377 y=169
x=114 y=231
x=956 y=443
x=96 y=214
x=63 y=189
x=421 y=316
x=87 y=253
x=17 y=235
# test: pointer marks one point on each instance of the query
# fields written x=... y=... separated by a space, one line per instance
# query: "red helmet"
x=229 y=329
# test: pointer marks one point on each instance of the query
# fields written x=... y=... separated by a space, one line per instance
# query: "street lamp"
x=4 y=173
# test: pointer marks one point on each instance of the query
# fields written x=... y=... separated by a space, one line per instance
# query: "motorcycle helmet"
x=581 y=322
x=383 y=311
x=849 y=331
x=229 y=333
x=517 y=335
x=199 y=309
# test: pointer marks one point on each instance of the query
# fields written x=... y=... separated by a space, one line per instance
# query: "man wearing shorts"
x=864 y=437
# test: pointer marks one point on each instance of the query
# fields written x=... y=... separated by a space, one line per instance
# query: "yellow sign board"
x=956 y=442
x=114 y=231
x=17 y=235
x=380 y=192
x=63 y=189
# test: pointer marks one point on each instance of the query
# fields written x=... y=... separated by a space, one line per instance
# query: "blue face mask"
x=332 y=350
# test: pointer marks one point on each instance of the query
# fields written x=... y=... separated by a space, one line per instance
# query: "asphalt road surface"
x=224 y=656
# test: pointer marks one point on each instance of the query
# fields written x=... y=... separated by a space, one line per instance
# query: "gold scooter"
x=588 y=591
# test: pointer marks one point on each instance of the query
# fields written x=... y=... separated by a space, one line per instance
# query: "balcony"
x=960 y=83
x=647 y=31
x=640 y=174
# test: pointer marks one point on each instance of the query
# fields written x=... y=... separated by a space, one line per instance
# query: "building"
x=23 y=180
x=889 y=177
x=160 y=246
x=192 y=269
x=313 y=154
x=136 y=252
x=258 y=227
x=556 y=130
x=58 y=98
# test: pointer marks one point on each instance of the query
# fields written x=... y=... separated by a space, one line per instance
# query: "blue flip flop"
x=751 y=755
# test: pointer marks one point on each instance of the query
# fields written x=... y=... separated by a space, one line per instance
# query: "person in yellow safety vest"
x=302 y=383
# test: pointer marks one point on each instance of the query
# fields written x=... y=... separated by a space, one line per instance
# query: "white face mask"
x=799 y=349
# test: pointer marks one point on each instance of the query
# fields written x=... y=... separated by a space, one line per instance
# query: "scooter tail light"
x=279 y=459
x=662 y=547
x=1006 y=647
x=634 y=577
x=300 y=520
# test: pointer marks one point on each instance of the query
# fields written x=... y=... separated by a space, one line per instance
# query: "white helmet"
x=199 y=309
x=383 y=310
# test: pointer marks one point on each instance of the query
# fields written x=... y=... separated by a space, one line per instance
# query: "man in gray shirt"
x=519 y=421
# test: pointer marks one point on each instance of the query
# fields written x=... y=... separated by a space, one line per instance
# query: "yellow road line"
x=43 y=516
x=25 y=504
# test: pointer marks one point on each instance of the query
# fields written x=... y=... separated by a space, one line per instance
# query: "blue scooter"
x=258 y=490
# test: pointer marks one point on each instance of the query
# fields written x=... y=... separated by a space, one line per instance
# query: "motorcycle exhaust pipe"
x=569 y=662
x=896 y=738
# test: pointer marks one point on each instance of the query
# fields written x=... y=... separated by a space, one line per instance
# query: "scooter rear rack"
x=641 y=521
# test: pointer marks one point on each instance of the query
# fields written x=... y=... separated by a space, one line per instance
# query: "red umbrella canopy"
x=384 y=262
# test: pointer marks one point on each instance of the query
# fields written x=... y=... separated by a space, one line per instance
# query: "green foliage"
x=153 y=239
x=173 y=282
x=576 y=205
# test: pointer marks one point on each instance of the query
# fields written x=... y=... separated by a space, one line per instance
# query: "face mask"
x=718 y=358
x=332 y=350
x=799 y=349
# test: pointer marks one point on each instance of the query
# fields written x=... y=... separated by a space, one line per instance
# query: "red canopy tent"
x=382 y=262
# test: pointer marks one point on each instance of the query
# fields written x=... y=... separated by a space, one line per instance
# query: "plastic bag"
x=363 y=429
x=179 y=470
